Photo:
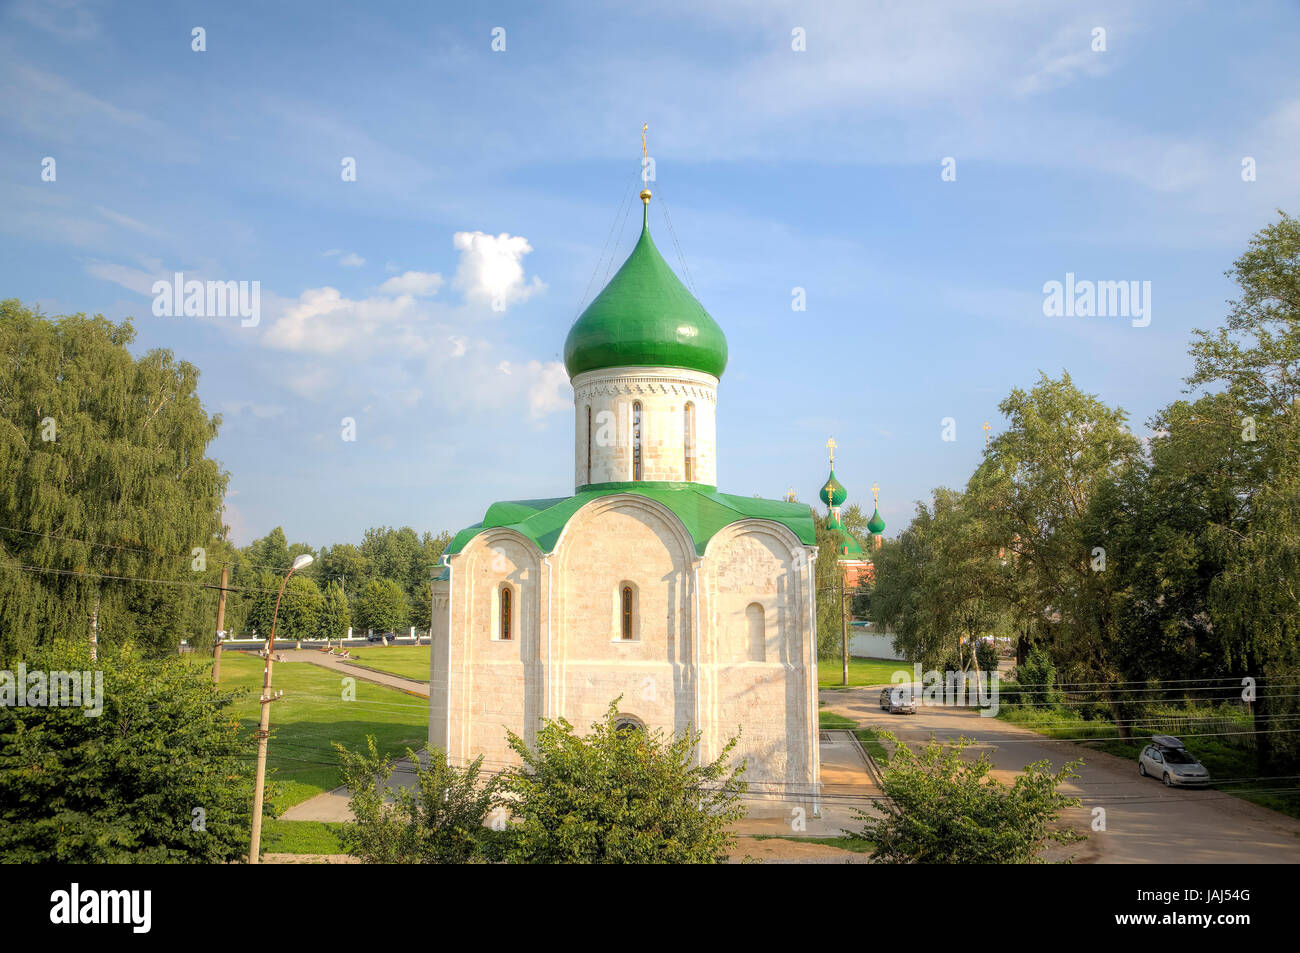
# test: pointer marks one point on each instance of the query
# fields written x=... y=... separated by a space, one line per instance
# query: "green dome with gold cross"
x=645 y=317
x=832 y=492
x=876 y=524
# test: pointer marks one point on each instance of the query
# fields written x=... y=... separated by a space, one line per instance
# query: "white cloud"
x=133 y=279
x=550 y=390
x=418 y=283
x=322 y=321
x=346 y=259
x=491 y=269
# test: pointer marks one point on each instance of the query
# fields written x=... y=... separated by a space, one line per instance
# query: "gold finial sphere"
x=645 y=196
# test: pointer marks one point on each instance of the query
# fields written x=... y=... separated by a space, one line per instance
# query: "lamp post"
x=255 y=839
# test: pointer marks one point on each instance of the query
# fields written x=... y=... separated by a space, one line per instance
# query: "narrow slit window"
x=636 y=440
x=688 y=431
x=589 y=443
x=626 y=612
x=505 y=614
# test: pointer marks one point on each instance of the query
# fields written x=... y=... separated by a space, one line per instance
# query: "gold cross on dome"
x=789 y=495
x=875 y=493
x=987 y=428
x=831 y=445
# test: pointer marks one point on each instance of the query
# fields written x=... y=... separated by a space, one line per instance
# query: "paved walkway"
x=325 y=660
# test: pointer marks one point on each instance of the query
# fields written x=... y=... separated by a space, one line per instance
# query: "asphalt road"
x=1145 y=822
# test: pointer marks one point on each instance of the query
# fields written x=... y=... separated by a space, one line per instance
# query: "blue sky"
x=817 y=169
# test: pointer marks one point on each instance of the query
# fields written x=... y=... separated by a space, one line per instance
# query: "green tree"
x=620 y=795
x=1033 y=491
x=943 y=808
x=335 y=616
x=103 y=473
x=345 y=566
x=829 y=575
x=437 y=821
x=382 y=607
x=161 y=776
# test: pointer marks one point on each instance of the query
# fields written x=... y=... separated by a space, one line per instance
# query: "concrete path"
x=325 y=660
x=1145 y=821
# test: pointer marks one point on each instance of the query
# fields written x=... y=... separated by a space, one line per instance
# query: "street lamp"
x=255 y=840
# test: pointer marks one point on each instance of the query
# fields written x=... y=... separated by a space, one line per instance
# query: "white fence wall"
x=864 y=643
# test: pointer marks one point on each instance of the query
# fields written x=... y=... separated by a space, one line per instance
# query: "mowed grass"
x=408 y=661
x=302 y=837
x=862 y=671
x=312 y=715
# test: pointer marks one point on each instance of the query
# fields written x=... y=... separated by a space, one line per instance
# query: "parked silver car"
x=1166 y=758
x=898 y=698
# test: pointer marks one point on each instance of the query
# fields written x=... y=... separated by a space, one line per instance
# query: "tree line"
x=111 y=509
x=1170 y=561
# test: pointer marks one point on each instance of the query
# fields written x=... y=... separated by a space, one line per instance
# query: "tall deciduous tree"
x=1034 y=489
x=104 y=473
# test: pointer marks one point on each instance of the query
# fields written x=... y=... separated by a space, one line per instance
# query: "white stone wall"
x=770 y=702
x=690 y=663
x=663 y=393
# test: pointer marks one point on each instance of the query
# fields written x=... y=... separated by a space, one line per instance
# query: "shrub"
x=438 y=821
x=161 y=776
x=945 y=809
x=621 y=795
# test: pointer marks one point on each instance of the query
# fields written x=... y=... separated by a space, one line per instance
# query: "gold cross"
x=789 y=495
x=645 y=127
x=875 y=493
x=987 y=428
x=831 y=445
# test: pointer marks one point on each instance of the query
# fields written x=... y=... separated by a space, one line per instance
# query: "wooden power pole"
x=221 y=625
x=844 y=632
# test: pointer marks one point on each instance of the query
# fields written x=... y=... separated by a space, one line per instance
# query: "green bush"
x=945 y=809
x=437 y=821
x=621 y=795
x=161 y=776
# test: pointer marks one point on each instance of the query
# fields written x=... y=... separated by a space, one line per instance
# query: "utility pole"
x=844 y=633
x=221 y=625
x=264 y=727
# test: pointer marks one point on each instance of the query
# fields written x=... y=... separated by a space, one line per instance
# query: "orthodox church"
x=855 y=564
x=695 y=607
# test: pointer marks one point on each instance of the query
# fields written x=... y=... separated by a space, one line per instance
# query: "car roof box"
x=1167 y=741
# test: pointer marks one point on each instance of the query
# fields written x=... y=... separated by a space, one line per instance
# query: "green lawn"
x=302 y=837
x=408 y=661
x=312 y=714
x=862 y=671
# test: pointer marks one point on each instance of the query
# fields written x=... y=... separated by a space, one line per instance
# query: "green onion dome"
x=833 y=492
x=645 y=317
x=876 y=524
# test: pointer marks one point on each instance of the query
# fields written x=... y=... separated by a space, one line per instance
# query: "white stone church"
x=696 y=607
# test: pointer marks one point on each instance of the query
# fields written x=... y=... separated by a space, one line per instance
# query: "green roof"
x=702 y=509
x=849 y=546
x=645 y=317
